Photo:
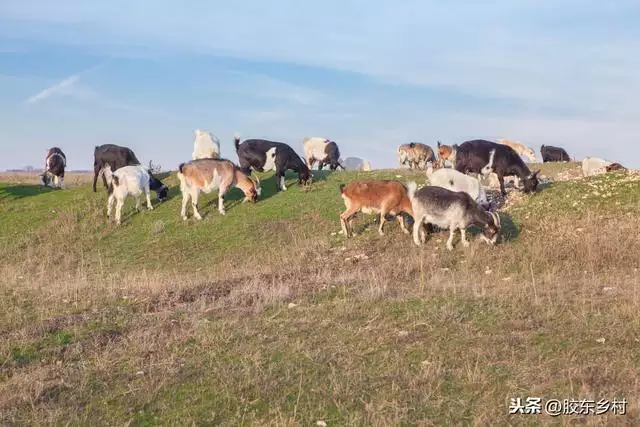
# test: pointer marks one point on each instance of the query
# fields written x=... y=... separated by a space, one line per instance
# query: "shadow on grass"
x=21 y=191
x=269 y=185
x=508 y=229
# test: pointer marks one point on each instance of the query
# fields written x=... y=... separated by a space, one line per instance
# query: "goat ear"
x=535 y=174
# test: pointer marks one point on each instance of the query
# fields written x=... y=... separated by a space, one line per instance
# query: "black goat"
x=481 y=156
x=553 y=154
x=113 y=155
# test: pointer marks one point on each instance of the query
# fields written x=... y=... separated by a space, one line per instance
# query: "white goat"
x=128 y=180
x=205 y=145
x=356 y=163
x=592 y=166
x=453 y=180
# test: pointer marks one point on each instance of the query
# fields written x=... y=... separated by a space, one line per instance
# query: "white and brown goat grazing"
x=208 y=175
x=450 y=209
x=522 y=150
x=134 y=180
x=372 y=197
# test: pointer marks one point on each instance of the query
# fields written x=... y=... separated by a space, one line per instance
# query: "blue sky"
x=368 y=74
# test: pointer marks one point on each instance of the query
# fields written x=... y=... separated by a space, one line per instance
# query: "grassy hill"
x=269 y=316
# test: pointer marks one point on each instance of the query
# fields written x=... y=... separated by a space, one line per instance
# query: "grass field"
x=269 y=316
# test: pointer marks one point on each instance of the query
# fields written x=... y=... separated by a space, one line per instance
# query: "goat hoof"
x=184 y=218
x=450 y=247
x=223 y=213
x=465 y=244
x=150 y=208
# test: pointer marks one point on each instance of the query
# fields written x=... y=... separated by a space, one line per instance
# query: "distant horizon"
x=372 y=76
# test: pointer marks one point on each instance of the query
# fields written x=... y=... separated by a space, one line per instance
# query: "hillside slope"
x=268 y=315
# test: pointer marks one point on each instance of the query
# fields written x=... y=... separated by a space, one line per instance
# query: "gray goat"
x=450 y=209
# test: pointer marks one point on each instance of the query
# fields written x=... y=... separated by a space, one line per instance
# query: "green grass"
x=258 y=318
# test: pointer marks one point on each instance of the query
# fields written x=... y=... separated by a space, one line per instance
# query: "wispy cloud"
x=67 y=86
x=59 y=87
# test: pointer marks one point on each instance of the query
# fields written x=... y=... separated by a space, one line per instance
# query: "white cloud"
x=60 y=87
x=554 y=52
x=568 y=58
x=260 y=85
x=69 y=86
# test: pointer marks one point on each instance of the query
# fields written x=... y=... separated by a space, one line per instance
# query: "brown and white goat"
x=446 y=152
x=210 y=174
x=372 y=197
x=522 y=150
x=415 y=154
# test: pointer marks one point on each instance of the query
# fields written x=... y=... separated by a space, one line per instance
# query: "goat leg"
x=452 y=230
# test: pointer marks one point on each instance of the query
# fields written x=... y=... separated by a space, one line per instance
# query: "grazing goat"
x=133 y=180
x=356 y=163
x=262 y=155
x=372 y=197
x=446 y=152
x=113 y=156
x=205 y=145
x=54 y=164
x=553 y=154
x=449 y=209
x=453 y=180
x=414 y=154
x=615 y=167
x=519 y=148
x=208 y=175
x=480 y=156
x=323 y=151
x=592 y=166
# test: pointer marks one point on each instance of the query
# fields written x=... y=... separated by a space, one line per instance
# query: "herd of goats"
x=454 y=198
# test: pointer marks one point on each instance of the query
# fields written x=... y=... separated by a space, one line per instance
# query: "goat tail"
x=181 y=167
x=113 y=181
x=342 y=188
x=411 y=189
x=236 y=140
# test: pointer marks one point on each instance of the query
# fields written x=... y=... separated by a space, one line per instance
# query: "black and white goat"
x=553 y=154
x=323 y=151
x=113 y=156
x=54 y=164
x=134 y=180
x=455 y=210
x=262 y=155
x=483 y=157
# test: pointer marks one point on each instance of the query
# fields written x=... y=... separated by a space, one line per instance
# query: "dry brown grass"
x=316 y=331
x=71 y=179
